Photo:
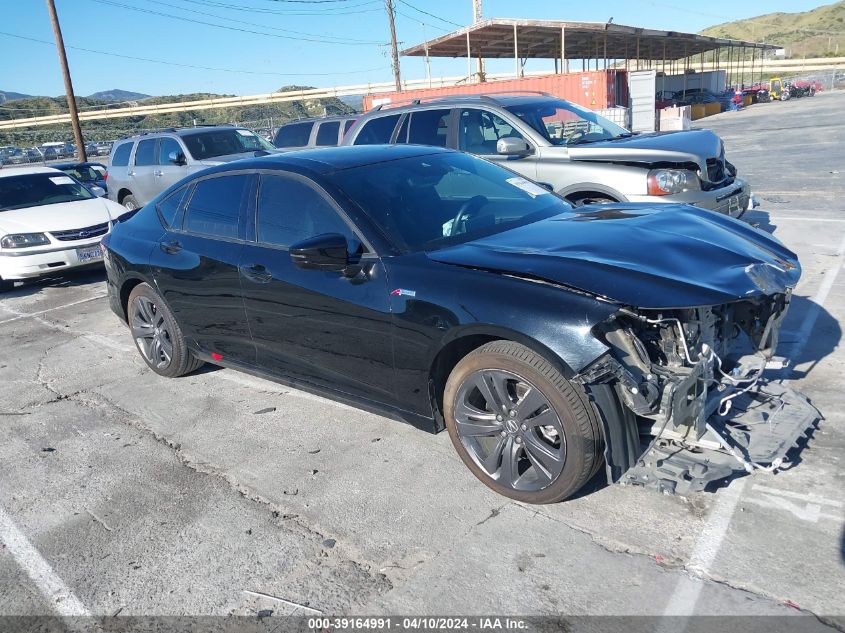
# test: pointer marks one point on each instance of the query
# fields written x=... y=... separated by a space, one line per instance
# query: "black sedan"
x=444 y=290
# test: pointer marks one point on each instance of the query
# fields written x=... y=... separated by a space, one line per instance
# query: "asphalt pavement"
x=218 y=493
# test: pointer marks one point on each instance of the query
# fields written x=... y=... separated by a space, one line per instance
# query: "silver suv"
x=571 y=150
x=144 y=165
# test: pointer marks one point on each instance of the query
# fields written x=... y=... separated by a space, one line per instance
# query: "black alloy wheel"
x=157 y=335
x=519 y=425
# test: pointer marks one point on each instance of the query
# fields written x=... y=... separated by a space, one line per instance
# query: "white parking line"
x=26 y=315
x=39 y=571
x=686 y=594
x=777 y=218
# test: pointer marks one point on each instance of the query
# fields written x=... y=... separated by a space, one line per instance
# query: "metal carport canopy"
x=494 y=38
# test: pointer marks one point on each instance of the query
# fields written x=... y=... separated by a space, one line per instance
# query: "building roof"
x=494 y=38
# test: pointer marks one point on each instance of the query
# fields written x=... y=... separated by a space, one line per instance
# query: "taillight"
x=106 y=175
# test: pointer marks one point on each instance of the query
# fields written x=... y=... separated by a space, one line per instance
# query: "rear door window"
x=327 y=133
x=215 y=206
x=429 y=127
x=121 y=155
x=377 y=131
x=293 y=135
x=145 y=154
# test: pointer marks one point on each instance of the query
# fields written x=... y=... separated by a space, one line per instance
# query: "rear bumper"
x=28 y=265
x=733 y=200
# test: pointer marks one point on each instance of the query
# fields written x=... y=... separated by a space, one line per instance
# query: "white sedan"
x=49 y=222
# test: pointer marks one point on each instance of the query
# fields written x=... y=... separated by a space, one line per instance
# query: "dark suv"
x=318 y=132
x=572 y=150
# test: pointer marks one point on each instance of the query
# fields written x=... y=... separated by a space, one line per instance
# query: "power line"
x=408 y=4
x=228 y=28
x=413 y=19
x=341 y=40
x=180 y=65
x=341 y=10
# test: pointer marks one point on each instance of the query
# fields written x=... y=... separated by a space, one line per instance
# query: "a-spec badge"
x=401 y=292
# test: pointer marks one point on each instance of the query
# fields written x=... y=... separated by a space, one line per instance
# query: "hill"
x=819 y=32
x=255 y=116
x=115 y=94
x=12 y=96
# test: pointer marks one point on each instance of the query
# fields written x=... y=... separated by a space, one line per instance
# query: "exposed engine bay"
x=697 y=403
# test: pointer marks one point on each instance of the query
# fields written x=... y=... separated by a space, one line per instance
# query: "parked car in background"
x=573 y=151
x=49 y=222
x=103 y=148
x=142 y=166
x=35 y=155
x=91 y=175
x=440 y=288
x=6 y=152
x=16 y=157
x=317 y=132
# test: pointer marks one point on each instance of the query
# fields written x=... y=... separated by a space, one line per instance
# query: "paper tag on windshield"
x=528 y=187
x=62 y=180
x=245 y=133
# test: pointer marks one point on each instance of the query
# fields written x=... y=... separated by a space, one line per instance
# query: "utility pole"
x=71 y=100
x=394 y=52
x=476 y=18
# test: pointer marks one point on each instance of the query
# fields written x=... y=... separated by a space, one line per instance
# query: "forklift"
x=777 y=91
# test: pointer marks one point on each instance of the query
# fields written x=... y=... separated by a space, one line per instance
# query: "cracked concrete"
x=214 y=509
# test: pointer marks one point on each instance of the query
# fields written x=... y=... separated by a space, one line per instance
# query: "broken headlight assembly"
x=694 y=386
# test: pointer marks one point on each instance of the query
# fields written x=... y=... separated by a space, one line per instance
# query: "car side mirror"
x=328 y=252
x=512 y=146
x=177 y=158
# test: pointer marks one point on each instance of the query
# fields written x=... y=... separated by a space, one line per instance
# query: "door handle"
x=158 y=172
x=170 y=247
x=130 y=173
x=256 y=273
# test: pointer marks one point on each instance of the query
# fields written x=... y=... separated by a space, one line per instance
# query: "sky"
x=267 y=44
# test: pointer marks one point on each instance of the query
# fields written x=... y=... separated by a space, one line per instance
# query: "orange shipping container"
x=595 y=90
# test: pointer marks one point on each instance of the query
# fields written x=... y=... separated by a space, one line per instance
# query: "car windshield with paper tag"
x=35 y=190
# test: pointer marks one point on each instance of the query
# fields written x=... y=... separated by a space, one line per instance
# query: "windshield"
x=224 y=142
x=564 y=123
x=35 y=190
x=428 y=202
x=84 y=173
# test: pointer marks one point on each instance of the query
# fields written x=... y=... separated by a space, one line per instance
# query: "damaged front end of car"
x=693 y=402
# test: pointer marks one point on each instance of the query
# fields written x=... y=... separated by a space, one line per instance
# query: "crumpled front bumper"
x=757 y=431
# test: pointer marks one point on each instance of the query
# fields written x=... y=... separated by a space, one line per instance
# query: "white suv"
x=49 y=222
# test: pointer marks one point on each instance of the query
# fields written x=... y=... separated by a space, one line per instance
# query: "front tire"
x=6 y=285
x=156 y=334
x=521 y=428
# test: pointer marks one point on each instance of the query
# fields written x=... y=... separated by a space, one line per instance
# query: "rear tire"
x=157 y=336
x=521 y=428
x=6 y=285
x=130 y=202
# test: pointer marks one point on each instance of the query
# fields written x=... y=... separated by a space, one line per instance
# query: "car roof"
x=330 y=159
x=313 y=119
x=181 y=131
x=503 y=100
x=18 y=170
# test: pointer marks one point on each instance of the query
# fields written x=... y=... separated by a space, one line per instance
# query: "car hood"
x=643 y=256
x=59 y=217
x=692 y=146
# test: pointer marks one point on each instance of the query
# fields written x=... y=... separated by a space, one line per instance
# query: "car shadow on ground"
x=66 y=279
x=760 y=220
x=842 y=545
x=824 y=337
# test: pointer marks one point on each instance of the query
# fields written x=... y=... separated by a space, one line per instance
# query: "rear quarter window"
x=168 y=209
x=377 y=131
x=120 y=158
